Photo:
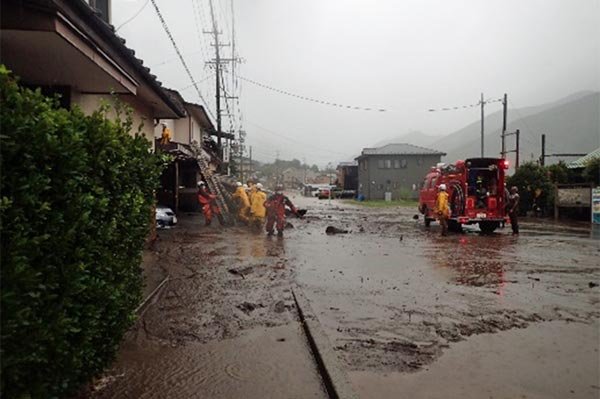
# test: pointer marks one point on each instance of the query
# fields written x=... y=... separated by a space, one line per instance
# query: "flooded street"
x=406 y=311
x=397 y=299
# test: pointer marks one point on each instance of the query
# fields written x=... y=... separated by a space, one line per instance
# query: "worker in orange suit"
x=166 y=135
x=257 y=207
x=276 y=210
x=243 y=203
x=208 y=202
x=442 y=208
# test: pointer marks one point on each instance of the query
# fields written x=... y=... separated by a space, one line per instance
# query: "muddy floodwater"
x=408 y=313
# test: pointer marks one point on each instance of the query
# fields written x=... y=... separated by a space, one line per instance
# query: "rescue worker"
x=166 y=135
x=442 y=209
x=257 y=207
x=208 y=202
x=251 y=190
x=243 y=203
x=513 y=209
x=276 y=210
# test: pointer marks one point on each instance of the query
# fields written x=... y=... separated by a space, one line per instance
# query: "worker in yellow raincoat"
x=442 y=209
x=257 y=207
x=251 y=189
x=243 y=204
x=165 y=135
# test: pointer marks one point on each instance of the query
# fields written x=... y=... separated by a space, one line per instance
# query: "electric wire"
x=310 y=99
x=187 y=69
x=134 y=16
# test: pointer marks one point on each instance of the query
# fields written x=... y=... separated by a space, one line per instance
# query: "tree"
x=535 y=187
x=591 y=172
x=75 y=207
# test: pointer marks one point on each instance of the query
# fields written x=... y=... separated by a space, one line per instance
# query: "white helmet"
x=201 y=183
x=443 y=187
x=259 y=186
x=245 y=186
x=239 y=184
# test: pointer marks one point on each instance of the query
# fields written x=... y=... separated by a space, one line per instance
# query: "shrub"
x=76 y=196
x=535 y=187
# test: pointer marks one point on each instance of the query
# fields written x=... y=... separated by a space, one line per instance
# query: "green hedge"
x=76 y=199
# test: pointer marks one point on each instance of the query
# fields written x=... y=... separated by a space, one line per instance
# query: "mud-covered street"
x=407 y=312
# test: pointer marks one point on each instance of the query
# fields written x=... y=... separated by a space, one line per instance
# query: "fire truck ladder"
x=215 y=186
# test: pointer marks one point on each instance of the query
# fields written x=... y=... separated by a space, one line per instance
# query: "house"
x=190 y=138
x=296 y=177
x=347 y=175
x=68 y=47
x=398 y=169
x=583 y=161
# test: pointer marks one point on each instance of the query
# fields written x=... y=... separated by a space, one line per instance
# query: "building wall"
x=180 y=129
x=142 y=114
x=374 y=180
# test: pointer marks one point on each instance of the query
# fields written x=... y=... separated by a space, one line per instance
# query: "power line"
x=197 y=81
x=287 y=93
x=138 y=12
x=187 y=70
x=477 y=104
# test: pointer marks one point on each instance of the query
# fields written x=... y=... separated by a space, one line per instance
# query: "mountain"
x=571 y=125
x=414 y=137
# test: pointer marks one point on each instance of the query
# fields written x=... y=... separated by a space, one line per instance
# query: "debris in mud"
x=241 y=272
x=288 y=225
x=280 y=339
x=248 y=307
x=330 y=230
x=591 y=284
x=279 y=307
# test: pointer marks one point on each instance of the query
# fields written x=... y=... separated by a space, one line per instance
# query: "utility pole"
x=482 y=117
x=517 y=149
x=504 y=112
x=215 y=33
x=543 y=156
x=517 y=133
x=250 y=166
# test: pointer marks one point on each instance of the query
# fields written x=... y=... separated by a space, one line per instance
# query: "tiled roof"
x=582 y=162
x=400 y=149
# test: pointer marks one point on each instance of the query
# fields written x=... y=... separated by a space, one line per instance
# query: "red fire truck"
x=475 y=189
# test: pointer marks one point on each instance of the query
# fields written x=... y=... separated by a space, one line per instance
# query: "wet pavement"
x=395 y=297
x=409 y=313
x=224 y=325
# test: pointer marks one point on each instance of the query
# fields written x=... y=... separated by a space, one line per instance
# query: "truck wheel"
x=425 y=218
x=488 y=227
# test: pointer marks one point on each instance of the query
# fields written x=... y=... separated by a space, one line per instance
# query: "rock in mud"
x=330 y=230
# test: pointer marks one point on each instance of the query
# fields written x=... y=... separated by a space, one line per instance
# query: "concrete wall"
x=374 y=181
x=142 y=114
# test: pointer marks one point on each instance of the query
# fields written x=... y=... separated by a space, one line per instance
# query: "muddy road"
x=396 y=298
x=408 y=312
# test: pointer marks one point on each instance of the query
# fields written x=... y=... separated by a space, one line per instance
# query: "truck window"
x=433 y=181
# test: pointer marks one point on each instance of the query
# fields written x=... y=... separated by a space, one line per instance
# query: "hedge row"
x=75 y=203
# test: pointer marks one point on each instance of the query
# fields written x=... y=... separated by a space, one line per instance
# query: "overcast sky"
x=402 y=56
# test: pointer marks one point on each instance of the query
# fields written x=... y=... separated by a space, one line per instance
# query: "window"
x=396 y=164
x=403 y=163
x=388 y=163
x=432 y=184
x=380 y=164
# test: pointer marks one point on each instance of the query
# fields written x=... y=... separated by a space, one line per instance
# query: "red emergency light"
x=505 y=163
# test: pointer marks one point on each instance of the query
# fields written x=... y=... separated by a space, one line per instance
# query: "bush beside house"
x=76 y=194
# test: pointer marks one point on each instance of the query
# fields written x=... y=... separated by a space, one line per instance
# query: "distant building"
x=347 y=175
x=296 y=177
x=398 y=169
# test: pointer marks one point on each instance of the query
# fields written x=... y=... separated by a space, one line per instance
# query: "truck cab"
x=476 y=192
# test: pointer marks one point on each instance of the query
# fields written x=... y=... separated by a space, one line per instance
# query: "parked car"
x=324 y=193
x=165 y=217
